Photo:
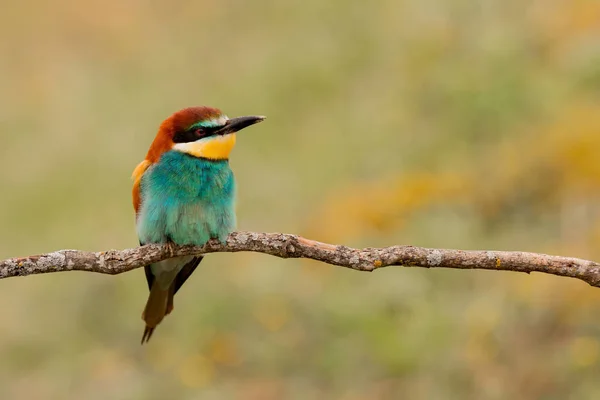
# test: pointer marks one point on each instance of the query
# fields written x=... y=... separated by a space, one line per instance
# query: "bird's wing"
x=188 y=268
x=185 y=272
x=138 y=172
x=181 y=277
x=137 y=175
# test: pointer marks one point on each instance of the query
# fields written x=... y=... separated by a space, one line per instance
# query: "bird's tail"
x=157 y=307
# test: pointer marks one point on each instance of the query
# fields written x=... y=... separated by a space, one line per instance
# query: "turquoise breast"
x=187 y=200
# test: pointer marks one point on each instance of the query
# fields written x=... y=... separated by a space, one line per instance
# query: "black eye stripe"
x=194 y=134
x=185 y=136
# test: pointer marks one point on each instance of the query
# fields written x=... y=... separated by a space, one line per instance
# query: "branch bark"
x=293 y=246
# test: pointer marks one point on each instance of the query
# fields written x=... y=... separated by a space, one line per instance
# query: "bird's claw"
x=171 y=248
x=220 y=239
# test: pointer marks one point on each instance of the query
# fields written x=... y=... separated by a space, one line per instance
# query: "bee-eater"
x=184 y=193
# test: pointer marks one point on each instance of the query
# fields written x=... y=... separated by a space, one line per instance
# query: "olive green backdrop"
x=461 y=124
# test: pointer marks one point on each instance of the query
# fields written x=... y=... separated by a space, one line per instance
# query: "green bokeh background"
x=460 y=124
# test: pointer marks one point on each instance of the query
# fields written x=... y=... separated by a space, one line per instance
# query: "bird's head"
x=203 y=132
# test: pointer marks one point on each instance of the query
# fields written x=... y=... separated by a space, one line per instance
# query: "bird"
x=184 y=194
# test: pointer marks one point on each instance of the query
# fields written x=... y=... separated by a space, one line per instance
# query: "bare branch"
x=292 y=246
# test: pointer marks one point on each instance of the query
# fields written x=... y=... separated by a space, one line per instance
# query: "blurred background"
x=456 y=124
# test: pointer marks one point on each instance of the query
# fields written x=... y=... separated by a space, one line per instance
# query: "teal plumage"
x=186 y=200
x=184 y=194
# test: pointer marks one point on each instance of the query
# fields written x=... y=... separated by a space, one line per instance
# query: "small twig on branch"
x=292 y=246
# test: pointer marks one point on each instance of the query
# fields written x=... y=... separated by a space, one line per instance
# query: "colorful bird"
x=184 y=193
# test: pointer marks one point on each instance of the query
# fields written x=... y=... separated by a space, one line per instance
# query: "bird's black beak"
x=239 y=123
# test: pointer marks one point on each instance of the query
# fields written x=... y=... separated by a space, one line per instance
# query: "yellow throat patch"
x=213 y=147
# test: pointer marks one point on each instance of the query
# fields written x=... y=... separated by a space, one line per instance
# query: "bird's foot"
x=170 y=248
x=221 y=239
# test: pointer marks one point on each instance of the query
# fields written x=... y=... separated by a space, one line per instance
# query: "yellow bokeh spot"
x=223 y=350
x=480 y=350
x=162 y=355
x=272 y=313
x=384 y=205
x=109 y=365
x=196 y=371
x=584 y=351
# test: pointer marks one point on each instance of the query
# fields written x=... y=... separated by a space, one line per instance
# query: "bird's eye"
x=199 y=133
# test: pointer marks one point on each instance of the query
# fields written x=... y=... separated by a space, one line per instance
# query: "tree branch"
x=292 y=246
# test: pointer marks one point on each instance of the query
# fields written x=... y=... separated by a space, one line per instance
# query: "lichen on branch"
x=292 y=246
